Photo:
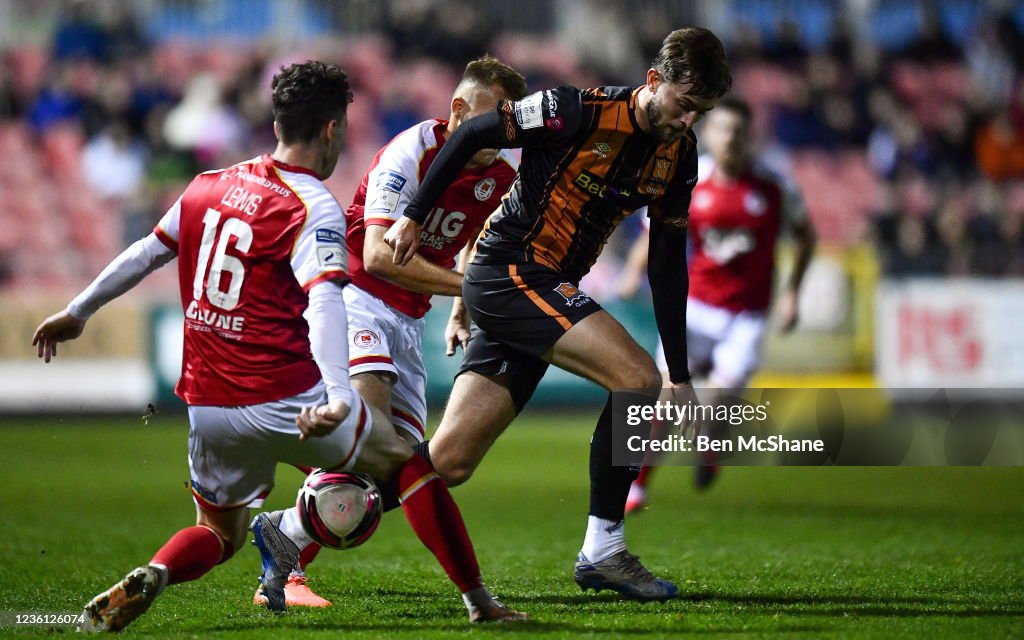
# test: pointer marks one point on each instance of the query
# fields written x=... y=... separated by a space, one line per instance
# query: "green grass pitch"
x=795 y=552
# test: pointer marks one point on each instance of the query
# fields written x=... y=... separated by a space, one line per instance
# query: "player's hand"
x=457 y=332
x=680 y=394
x=404 y=238
x=59 y=327
x=788 y=311
x=317 y=422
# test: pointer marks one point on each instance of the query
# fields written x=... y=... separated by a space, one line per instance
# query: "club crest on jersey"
x=484 y=189
x=602 y=149
x=573 y=296
x=365 y=339
x=754 y=204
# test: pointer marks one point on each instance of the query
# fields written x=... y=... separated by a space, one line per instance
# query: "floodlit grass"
x=805 y=552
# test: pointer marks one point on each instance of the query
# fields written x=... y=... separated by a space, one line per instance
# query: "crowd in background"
x=918 y=148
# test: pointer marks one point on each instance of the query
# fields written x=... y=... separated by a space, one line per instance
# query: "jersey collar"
x=269 y=159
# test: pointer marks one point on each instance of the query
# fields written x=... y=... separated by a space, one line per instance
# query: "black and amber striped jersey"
x=586 y=164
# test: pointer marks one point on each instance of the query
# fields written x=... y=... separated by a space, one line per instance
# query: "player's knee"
x=453 y=469
x=641 y=375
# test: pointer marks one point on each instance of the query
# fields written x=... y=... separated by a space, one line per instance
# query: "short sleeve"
x=320 y=252
x=392 y=183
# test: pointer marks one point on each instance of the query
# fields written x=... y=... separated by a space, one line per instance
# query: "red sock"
x=189 y=554
x=435 y=518
x=645 y=473
x=306 y=555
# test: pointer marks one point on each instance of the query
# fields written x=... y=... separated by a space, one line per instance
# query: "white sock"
x=291 y=526
x=604 y=538
x=476 y=598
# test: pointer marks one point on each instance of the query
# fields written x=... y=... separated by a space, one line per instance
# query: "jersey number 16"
x=223 y=299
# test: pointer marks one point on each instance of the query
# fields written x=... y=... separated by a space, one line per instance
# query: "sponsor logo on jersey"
x=573 y=296
x=552 y=103
x=596 y=186
x=529 y=111
x=555 y=124
x=384 y=201
x=391 y=181
x=330 y=249
x=484 y=189
x=602 y=149
x=365 y=339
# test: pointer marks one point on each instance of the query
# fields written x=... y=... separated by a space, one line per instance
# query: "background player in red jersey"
x=737 y=212
x=386 y=302
x=590 y=158
x=265 y=364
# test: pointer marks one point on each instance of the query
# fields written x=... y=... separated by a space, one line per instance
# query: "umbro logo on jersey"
x=484 y=189
x=602 y=149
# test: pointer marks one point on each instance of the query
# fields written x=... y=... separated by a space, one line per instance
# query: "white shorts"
x=233 y=451
x=383 y=339
x=722 y=344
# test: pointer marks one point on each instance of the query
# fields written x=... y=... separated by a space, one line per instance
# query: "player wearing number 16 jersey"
x=261 y=265
x=386 y=302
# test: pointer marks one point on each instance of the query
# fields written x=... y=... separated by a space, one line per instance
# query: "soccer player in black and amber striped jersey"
x=590 y=157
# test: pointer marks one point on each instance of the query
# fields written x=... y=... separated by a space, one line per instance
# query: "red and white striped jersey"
x=389 y=185
x=251 y=241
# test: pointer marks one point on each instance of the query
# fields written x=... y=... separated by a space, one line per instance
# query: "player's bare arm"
x=457 y=331
x=123 y=273
x=417 y=274
x=788 y=309
x=476 y=134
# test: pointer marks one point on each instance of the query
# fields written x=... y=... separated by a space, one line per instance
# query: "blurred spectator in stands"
x=201 y=122
x=797 y=121
x=461 y=32
x=988 y=247
x=999 y=147
x=990 y=63
x=951 y=225
x=57 y=102
x=407 y=25
x=1009 y=32
x=10 y=102
x=917 y=251
x=931 y=44
x=898 y=143
x=746 y=46
x=452 y=32
x=787 y=48
x=114 y=163
x=79 y=34
x=125 y=39
x=952 y=144
x=601 y=33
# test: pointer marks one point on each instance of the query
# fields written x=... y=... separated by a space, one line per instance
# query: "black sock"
x=388 y=494
x=609 y=485
x=423 y=449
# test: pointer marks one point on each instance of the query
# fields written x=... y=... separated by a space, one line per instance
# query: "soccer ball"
x=339 y=510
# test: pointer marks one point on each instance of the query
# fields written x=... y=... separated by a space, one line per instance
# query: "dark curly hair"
x=306 y=97
x=694 y=55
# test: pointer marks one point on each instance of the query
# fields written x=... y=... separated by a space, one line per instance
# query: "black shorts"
x=519 y=312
